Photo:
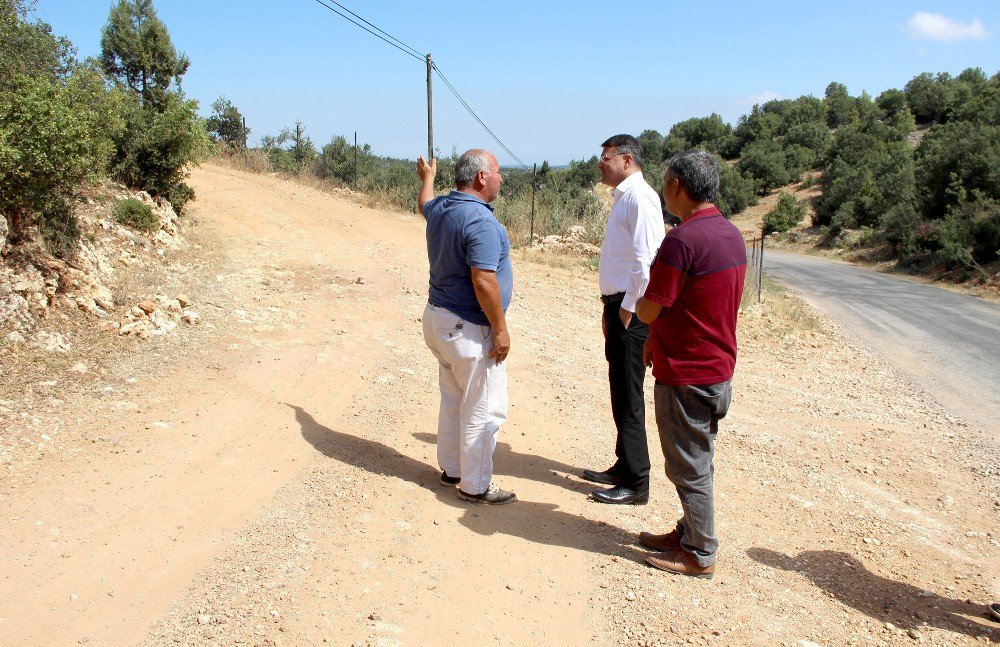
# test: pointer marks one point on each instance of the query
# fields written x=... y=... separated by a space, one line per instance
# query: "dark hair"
x=626 y=144
x=698 y=173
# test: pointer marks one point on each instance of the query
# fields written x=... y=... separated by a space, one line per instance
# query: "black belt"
x=612 y=298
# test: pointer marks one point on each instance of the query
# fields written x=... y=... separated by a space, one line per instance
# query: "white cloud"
x=761 y=98
x=932 y=26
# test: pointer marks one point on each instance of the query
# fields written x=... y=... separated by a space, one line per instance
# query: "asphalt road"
x=948 y=343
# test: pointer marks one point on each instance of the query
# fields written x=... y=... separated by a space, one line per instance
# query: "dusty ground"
x=268 y=476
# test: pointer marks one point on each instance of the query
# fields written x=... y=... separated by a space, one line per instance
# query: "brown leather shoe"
x=667 y=543
x=680 y=562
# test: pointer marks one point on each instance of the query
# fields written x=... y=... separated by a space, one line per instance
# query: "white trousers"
x=473 y=396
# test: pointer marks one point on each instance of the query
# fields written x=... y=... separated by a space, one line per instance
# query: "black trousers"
x=626 y=372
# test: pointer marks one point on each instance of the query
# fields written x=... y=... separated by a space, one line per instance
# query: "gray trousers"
x=687 y=418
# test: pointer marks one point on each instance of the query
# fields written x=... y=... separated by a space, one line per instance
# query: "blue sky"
x=551 y=79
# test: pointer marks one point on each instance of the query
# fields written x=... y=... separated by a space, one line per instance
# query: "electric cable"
x=414 y=50
x=475 y=116
x=386 y=37
x=379 y=36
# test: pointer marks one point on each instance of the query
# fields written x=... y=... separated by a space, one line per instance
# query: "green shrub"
x=785 y=215
x=136 y=214
x=736 y=192
x=54 y=134
x=986 y=238
x=156 y=146
x=60 y=229
x=764 y=160
x=953 y=158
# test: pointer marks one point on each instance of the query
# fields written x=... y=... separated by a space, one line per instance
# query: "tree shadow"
x=908 y=607
x=528 y=466
x=533 y=521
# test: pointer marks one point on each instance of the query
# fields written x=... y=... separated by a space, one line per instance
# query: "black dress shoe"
x=605 y=478
x=620 y=495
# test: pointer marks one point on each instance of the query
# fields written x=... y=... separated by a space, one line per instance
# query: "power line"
x=476 y=117
x=412 y=49
x=400 y=47
x=386 y=37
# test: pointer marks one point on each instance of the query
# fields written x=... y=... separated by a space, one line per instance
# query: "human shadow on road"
x=908 y=607
x=533 y=521
x=527 y=466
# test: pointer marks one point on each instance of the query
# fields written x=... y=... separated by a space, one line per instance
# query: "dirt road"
x=270 y=478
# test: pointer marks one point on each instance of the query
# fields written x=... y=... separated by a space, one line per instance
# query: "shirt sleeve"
x=429 y=205
x=668 y=272
x=482 y=245
x=643 y=217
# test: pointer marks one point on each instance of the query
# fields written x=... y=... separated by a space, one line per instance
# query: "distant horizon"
x=563 y=83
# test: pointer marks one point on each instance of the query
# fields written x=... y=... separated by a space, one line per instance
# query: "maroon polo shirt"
x=697 y=277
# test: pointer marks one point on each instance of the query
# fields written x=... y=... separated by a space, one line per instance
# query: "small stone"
x=945 y=499
x=204 y=619
x=914 y=634
x=147 y=306
x=374 y=616
x=630 y=596
x=183 y=300
x=79 y=368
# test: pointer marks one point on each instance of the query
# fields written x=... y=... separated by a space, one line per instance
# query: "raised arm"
x=427 y=173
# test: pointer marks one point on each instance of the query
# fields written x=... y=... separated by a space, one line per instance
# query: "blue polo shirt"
x=463 y=233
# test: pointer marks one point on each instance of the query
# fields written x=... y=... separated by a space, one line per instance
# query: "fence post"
x=534 y=183
x=760 y=271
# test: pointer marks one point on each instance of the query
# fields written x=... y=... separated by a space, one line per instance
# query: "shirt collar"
x=468 y=197
x=707 y=212
x=628 y=183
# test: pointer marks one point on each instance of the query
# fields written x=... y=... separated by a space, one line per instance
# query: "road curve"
x=948 y=343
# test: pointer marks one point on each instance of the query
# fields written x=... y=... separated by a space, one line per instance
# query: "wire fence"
x=753 y=285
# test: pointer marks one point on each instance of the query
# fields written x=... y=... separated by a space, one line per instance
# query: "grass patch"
x=784 y=313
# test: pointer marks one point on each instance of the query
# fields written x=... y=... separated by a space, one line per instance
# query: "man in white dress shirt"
x=631 y=239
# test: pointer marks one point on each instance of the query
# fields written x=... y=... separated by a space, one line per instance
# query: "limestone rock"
x=51 y=342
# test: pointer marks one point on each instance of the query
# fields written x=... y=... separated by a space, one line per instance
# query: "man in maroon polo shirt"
x=694 y=292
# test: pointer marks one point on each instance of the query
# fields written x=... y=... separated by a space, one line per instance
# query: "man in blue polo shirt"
x=691 y=304
x=471 y=280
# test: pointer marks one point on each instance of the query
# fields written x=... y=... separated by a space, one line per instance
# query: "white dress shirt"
x=631 y=239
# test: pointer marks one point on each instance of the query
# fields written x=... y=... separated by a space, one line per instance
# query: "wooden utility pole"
x=430 y=114
x=355 y=182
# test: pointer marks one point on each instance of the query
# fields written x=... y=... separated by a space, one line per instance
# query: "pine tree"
x=136 y=49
